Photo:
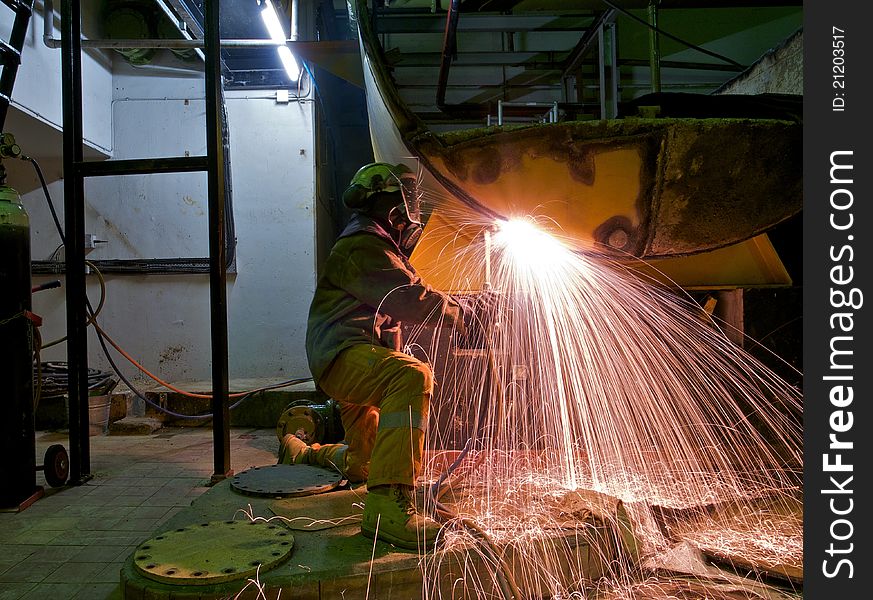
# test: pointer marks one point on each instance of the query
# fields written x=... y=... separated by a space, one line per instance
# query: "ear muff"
x=356 y=197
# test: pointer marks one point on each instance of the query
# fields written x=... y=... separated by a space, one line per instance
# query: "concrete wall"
x=163 y=321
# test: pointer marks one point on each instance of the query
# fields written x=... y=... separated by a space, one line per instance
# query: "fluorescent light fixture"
x=277 y=34
x=271 y=21
x=289 y=62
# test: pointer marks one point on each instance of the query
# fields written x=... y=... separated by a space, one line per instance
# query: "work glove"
x=481 y=312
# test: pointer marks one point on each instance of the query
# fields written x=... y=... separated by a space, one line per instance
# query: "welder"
x=353 y=342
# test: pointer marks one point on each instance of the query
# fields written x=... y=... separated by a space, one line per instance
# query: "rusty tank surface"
x=652 y=188
x=687 y=199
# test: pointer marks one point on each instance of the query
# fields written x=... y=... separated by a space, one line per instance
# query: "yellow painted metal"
x=445 y=256
x=749 y=264
x=450 y=256
x=550 y=191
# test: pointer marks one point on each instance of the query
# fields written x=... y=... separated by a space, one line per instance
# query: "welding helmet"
x=379 y=177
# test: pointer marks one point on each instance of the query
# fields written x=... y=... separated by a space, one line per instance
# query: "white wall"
x=163 y=321
x=37 y=91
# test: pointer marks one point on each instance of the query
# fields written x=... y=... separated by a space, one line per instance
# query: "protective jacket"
x=367 y=288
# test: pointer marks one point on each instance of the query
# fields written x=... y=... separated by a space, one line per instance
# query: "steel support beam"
x=608 y=71
x=391 y=22
x=450 y=48
x=142 y=166
x=217 y=251
x=74 y=236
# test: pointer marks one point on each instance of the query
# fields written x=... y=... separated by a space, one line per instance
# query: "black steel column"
x=74 y=227
x=450 y=49
x=217 y=265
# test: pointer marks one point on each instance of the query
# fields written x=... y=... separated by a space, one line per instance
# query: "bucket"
x=98 y=414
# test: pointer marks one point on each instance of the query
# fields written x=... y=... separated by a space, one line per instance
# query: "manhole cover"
x=213 y=552
x=285 y=480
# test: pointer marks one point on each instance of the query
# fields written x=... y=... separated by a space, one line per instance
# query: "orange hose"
x=169 y=385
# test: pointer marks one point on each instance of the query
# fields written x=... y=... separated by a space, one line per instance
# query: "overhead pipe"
x=449 y=50
x=48 y=25
x=294 y=10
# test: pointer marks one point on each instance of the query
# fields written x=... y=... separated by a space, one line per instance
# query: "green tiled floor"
x=71 y=543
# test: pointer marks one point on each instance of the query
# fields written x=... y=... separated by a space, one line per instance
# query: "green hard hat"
x=379 y=177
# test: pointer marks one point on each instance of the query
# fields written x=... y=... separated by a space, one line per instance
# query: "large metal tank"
x=17 y=441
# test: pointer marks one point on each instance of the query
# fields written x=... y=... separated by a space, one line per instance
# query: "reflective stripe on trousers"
x=364 y=378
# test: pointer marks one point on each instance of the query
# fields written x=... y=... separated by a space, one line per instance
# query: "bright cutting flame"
x=528 y=245
x=277 y=34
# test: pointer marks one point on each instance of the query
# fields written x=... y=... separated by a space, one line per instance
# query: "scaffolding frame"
x=76 y=169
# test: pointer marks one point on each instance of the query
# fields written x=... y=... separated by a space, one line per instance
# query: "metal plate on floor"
x=285 y=480
x=213 y=552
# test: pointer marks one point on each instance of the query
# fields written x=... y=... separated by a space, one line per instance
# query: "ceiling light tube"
x=277 y=34
x=289 y=62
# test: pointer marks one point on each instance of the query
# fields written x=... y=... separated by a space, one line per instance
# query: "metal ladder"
x=76 y=169
x=10 y=52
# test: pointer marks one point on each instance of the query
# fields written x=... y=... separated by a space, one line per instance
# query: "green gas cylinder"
x=17 y=436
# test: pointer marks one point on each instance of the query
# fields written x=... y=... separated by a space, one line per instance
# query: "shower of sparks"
x=302 y=522
x=260 y=590
x=607 y=421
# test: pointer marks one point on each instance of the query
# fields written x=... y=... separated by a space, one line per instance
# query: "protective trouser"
x=384 y=398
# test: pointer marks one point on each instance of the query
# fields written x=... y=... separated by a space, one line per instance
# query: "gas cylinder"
x=17 y=435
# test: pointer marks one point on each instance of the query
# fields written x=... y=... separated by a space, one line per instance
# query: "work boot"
x=390 y=515
x=294 y=451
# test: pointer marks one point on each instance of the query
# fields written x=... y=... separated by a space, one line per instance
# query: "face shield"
x=384 y=177
x=411 y=197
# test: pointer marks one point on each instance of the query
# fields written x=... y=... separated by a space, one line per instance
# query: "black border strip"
x=837 y=331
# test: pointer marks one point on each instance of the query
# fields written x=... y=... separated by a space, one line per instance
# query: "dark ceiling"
x=520 y=51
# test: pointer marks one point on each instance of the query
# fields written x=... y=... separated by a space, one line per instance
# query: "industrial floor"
x=73 y=542
x=79 y=542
